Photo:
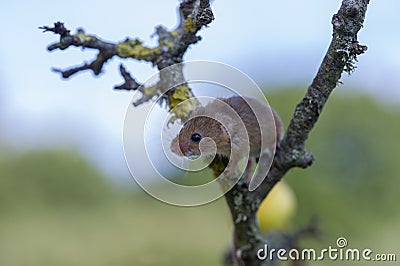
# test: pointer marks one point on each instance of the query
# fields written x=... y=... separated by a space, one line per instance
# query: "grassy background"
x=56 y=209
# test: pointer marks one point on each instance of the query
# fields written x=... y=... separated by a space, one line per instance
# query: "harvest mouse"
x=232 y=124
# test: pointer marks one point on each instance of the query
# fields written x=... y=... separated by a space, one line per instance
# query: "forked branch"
x=340 y=57
x=172 y=45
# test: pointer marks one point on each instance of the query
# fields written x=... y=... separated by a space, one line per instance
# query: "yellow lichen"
x=135 y=49
x=178 y=104
x=169 y=44
x=152 y=90
x=189 y=25
x=84 y=38
x=174 y=33
x=180 y=94
x=99 y=57
x=166 y=43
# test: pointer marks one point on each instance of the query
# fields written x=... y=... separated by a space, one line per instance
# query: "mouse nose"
x=188 y=153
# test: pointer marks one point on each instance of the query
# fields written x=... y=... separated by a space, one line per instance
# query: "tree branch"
x=172 y=45
x=130 y=83
x=341 y=56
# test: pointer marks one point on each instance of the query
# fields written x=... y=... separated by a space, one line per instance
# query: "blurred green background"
x=57 y=209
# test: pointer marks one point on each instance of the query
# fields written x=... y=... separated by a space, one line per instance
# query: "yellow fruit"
x=277 y=209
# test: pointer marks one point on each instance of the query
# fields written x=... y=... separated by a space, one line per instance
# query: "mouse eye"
x=196 y=137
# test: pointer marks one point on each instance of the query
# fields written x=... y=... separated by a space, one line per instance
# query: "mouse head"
x=201 y=131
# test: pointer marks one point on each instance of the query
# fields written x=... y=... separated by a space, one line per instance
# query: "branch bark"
x=172 y=45
x=340 y=57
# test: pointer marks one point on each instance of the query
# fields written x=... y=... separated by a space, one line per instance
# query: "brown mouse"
x=226 y=122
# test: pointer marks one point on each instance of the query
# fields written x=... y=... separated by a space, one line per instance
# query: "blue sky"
x=275 y=42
